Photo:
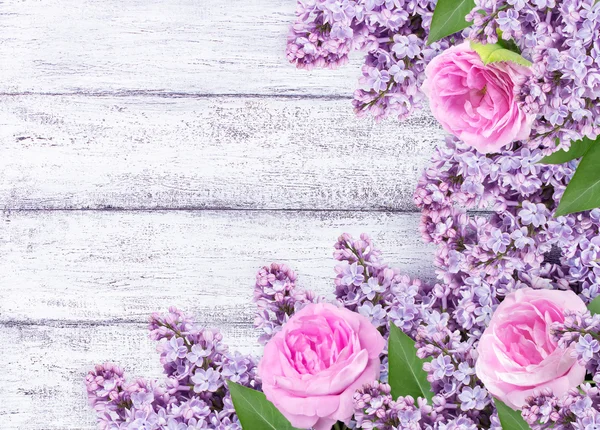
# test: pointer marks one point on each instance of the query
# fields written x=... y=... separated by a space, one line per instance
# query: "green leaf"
x=255 y=411
x=406 y=374
x=449 y=18
x=578 y=149
x=495 y=53
x=509 y=418
x=594 y=306
x=583 y=191
x=507 y=44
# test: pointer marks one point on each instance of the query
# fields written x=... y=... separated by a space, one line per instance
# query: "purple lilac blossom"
x=421 y=311
x=383 y=294
x=193 y=394
x=277 y=297
x=493 y=241
x=393 y=34
x=560 y=37
x=376 y=409
x=445 y=319
x=578 y=409
x=506 y=236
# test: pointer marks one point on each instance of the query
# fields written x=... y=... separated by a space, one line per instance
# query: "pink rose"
x=475 y=102
x=517 y=354
x=312 y=367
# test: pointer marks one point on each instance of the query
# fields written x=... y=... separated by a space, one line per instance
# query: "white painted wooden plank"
x=43 y=369
x=61 y=152
x=187 y=46
x=103 y=266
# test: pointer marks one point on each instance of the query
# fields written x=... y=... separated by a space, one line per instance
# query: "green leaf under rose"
x=449 y=18
x=509 y=418
x=594 y=306
x=406 y=374
x=254 y=410
x=583 y=190
x=577 y=150
x=496 y=53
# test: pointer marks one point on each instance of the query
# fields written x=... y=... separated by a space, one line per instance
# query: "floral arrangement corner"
x=389 y=352
x=508 y=336
x=500 y=75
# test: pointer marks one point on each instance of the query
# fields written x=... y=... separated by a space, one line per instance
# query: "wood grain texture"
x=157 y=153
x=43 y=384
x=78 y=286
x=164 y=46
x=121 y=266
x=69 y=152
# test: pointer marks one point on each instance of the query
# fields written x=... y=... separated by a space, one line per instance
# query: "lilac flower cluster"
x=367 y=285
x=392 y=32
x=581 y=332
x=277 y=298
x=562 y=39
x=491 y=217
x=579 y=408
x=383 y=294
x=492 y=220
x=376 y=409
x=451 y=370
x=194 y=393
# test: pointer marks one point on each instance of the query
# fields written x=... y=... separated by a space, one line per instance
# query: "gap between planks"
x=176 y=95
x=9 y=210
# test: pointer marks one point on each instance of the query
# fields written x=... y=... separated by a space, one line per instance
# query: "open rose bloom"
x=517 y=353
x=475 y=102
x=312 y=367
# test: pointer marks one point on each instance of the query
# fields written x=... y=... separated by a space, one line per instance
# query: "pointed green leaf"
x=495 y=53
x=594 y=306
x=449 y=18
x=506 y=55
x=577 y=149
x=583 y=191
x=507 y=44
x=255 y=411
x=509 y=418
x=406 y=374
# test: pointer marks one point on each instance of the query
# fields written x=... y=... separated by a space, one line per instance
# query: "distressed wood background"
x=157 y=153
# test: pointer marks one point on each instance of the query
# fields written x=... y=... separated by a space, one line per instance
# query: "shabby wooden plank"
x=165 y=46
x=120 y=266
x=78 y=286
x=146 y=152
x=42 y=382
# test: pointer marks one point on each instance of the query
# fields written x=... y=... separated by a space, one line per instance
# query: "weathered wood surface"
x=67 y=152
x=164 y=46
x=112 y=265
x=219 y=156
x=43 y=377
x=78 y=287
